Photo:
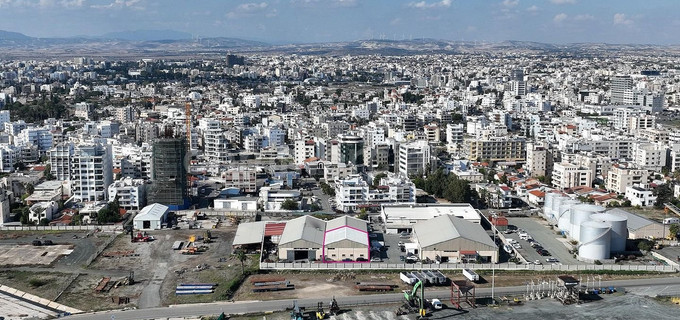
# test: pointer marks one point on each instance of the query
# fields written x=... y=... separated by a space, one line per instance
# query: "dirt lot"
x=155 y=265
x=46 y=285
x=314 y=284
x=28 y=255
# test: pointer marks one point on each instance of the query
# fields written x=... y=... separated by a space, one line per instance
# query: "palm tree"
x=242 y=257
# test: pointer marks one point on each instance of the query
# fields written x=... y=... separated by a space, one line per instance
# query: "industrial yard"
x=610 y=307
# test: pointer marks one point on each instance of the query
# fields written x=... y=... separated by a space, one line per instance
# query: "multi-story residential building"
x=454 y=136
x=60 y=160
x=38 y=137
x=215 y=143
x=14 y=128
x=497 y=149
x=84 y=110
x=243 y=178
x=354 y=193
x=9 y=156
x=304 y=149
x=131 y=193
x=91 y=171
x=566 y=175
x=127 y=114
x=414 y=158
x=649 y=156
x=432 y=132
x=4 y=118
x=539 y=160
x=620 y=177
x=272 y=198
x=660 y=136
x=640 y=195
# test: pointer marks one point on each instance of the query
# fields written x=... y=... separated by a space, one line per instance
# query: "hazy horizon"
x=319 y=21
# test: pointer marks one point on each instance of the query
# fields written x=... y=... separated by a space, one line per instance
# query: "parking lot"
x=546 y=237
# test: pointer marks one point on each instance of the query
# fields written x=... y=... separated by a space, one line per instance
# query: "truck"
x=471 y=275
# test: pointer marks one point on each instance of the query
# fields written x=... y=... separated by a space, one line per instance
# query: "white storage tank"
x=564 y=214
x=547 y=204
x=619 y=229
x=580 y=214
x=596 y=240
x=556 y=201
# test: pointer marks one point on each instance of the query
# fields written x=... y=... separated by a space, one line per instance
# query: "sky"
x=307 y=21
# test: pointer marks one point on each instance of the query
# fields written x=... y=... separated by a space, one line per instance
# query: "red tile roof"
x=274 y=229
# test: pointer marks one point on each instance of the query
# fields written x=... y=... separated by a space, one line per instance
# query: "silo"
x=556 y=201
x=619 y=229
x=547 y=204
x=596 y=240
x=564 y=214
x=579 y=214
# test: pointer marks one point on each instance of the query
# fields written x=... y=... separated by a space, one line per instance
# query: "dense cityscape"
x=221 y=178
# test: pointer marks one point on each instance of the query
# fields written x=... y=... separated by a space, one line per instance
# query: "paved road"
x=638 y=286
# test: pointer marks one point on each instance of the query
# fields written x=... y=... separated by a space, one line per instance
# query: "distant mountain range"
x=158 y=43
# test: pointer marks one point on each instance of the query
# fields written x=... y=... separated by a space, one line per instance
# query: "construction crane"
x=416 y=299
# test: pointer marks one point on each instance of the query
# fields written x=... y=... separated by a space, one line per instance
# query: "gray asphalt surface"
x=544 y=236
x=667 y=285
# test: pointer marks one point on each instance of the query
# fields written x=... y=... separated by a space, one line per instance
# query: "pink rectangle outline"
x=323 y=245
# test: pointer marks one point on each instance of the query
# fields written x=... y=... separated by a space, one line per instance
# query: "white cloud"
x=42 y=3
x=533 y=8
x=252 y=6
x=560 y=17
x=563 y=1
x=345 y=3
x=620 y=18
x=510 y=3
x=117 y=4
x=428 y=5
x=395 y=21
x=584 y=17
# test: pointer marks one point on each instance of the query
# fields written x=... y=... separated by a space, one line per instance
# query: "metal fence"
x=450 y=266
x=62 y=228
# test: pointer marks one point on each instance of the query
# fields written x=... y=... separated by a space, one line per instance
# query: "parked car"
x=402 y=258
x=47 y=242
x=36 y=243
x=376 y=259
x=360 y=259
x=552 y=260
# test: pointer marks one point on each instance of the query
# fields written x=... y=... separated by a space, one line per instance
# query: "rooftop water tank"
x=619 y=229
x=596 y=240
x=580 y=214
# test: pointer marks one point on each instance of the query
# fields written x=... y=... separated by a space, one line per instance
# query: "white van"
x=523 y=236
x=671 y=220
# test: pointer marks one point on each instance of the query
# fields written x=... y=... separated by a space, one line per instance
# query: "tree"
x=242 y=257
x=363 y=214
x=289 y=204
x=674 y=229
x=314 y=207
x=645 y=245
x=44 y=222
x=664 y=194
x=376 y=179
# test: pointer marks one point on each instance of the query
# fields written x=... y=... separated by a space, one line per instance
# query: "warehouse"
x=310 y=238
x=346 y=238
x=640 y=227
x=302 y=239
x=401 y=218
x=451 y=239
x=151 y=217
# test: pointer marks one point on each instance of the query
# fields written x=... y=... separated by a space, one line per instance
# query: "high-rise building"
x=169 y=173
x=91 y=171
x=351 y=149
x=233 y=60
x=414 y=158
x=60 y=160
x=619 y=86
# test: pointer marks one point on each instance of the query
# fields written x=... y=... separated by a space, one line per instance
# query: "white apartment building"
x=39 y=137
x=620 y=177
x=354 y=193
x=638 y=195
x=215 y=143
x=272 y=198
x=649 y=156
x=432 y=132
x=454 y=136
x=60 y=160
x=9 y=155
x=414 y=158
x=131 y=193
x=304 y=149
x=537 y=159
x=567 y=175
x=91 y=171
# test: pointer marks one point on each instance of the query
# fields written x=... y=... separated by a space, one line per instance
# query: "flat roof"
x=249 y=233
x=429 y=211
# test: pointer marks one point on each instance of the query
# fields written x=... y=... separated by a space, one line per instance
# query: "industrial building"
x=310 y=238
x=169 y=173
x=151 y=217
x=402 y=218
x=447 y=238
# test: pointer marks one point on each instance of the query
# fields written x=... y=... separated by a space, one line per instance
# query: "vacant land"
x=44 y=284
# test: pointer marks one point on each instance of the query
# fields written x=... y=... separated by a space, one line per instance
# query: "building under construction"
x=169 y=165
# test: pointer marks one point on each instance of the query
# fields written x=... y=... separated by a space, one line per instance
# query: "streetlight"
x=493 y=267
